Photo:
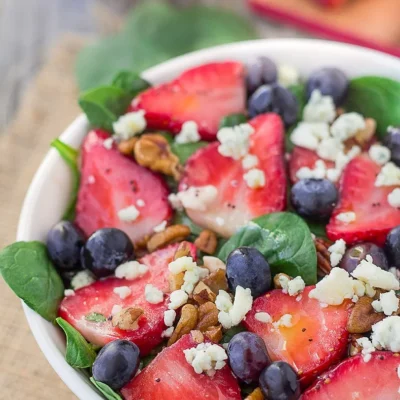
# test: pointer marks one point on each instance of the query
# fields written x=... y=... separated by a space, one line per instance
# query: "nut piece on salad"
x=186 y=323
x=207 y=241
x=363 y=316
x=127 y=319
x=172 y=234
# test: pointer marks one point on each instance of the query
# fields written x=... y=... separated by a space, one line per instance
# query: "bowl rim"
x=72 y=378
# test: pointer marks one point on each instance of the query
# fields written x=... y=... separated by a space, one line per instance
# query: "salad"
x=231 y=234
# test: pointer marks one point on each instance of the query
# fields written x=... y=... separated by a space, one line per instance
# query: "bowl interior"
x=49 y=191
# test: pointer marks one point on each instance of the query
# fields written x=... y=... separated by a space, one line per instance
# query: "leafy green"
x=104 y=105
x=105 y=390
x=146 y=360
x=70 y=156
x=79 y=354
x=232 y=120
x=230 y=333
x=27 y=269
x=130 y=82
x=299 y=91
x=95 y=317
x=156 y=32
x=375 y=97
x=185 y=150
x=318 y=229
x=181 y=218
x=285 y=241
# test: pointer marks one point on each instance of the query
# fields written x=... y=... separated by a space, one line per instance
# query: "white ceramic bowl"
x=49 y=191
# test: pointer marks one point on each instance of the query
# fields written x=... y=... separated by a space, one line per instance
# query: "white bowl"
x=49 y=191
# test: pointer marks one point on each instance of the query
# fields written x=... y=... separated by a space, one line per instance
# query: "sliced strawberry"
x=170 y=376
x=111 y=182
x=356 y=379
x=203 y=94
x=100 y=298
x=316 y=339
x=236 y=203
x=375 y=217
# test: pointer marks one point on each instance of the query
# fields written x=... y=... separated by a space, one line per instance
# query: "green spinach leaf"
x=70 y=156
x=79 y=354
x=105 y=390
x=185 y=150
x=318 y=229
x=375 y=97
x=130 y=82
x=181 y=218
x=299 y=91
x=232 y=120
x=27 y=269
x=230 y=333
x=95 y=317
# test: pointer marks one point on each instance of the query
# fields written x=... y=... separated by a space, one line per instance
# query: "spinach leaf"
x=104 y=105
x=130 y=82
x=70 y=156
x=299 y=91
x=95 y=317
x=375 y=97
x=105 y=390
x=285 y=241
x=146 y=360
x=318 y=229
x=79 y=354
x=27 y=269
x=181 y=218
x=185 y=150
x=232 y=120
x=230 y=333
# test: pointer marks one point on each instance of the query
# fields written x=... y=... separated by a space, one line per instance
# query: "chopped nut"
x=256 y=394
x=127 y=319
x=172 y=234
x=202 y=293
x=354 y=348
x=197 y=336
x=208 y=316
x=216 y=281
x=127 y=147
x=363 y=136
x=363 y=316
x=207 y=242
x=153 y=151
x=213 y=263
x=187 y=322
x=183 y=250
x=214 y=333
x=277 y=282
x=323 y=257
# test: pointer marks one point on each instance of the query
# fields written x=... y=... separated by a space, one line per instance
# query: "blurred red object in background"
x=331 y=3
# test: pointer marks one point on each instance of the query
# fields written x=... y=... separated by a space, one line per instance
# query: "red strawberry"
x=111 y=182
x=358 y=194
x=356 y=379
x=170 y=376
x=317 y=338
x=236 y=203
x=100 y=298
x=332 y=3
x=203 y=94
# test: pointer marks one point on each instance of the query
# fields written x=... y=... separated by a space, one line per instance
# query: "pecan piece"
x=214 y=333
x=354 y=348
x=216 y=281
x=279 y=278
x=197 y=336
x=127 y=319
x=256 y=394
x=363 y=316
x=202 y=293
x=183 y=250
x=127 y=147
x=186 y=323
x=172 y=234
x=208 y=316
x=207 y=241
x=213 y=264
x=323 y=257
x=363 y=136
x=175 y=281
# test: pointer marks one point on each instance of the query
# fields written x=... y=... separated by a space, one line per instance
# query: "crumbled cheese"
x=69 y=292
x=189 y=133
x=128 y=214
x=334 y=288
x=176 y=204
x=342 y=159
x=198 y=198
x=395 y=272
x=394 y=198
x=285 y=321
x=161 y=227
x=380 y=154
x=288 y=75
x=296 y=286
x=169 y=317
x=367 y=348
x=388 y=303
x=131 y=270
x=369 y=290
x=91 y=179
x=309 y=134
x=213 y=263
x=319 y=108
x=250 y=161
x=122 y=291
x=182 y=264
x=223 y=301
x=376 y=277
x=177 y=298
x=347 y=125
x=263 y=317
x=359 y=288
x=386 y=334
x=329 y=148
x=398 y=371
x=82 y=279
x=168 y=332
x=116 y=309
x=346 y=217
x=284 y=282
x=337 y=251
x=318 y=172
x=355 y=298
x=220 y=221
x=333 y=174
x=189 y=280
x=140 y=203
x=235 y=141
x=130 y=124
x=153 y=295
x=108 y=143
x=388 y=176
x=255 y=178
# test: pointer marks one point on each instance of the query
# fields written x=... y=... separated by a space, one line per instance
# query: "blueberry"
x=358 y=252
x=247 y=356
x=105 y=250
x=260 y=101
x=261 y=71
x=314 y=198
x=116 y=364
x=279 y=381
x=248 y=268
x=392 y=141
x=392 y=247
x=330 y=82
x=64 y=244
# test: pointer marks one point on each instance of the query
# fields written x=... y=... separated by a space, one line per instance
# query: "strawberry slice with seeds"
x=203 y=94
x=97 y=300
x=356 y=379
x=170 y=376
x=374 y=216
x=315 y=339
x=111 y=182
x=236 y=203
